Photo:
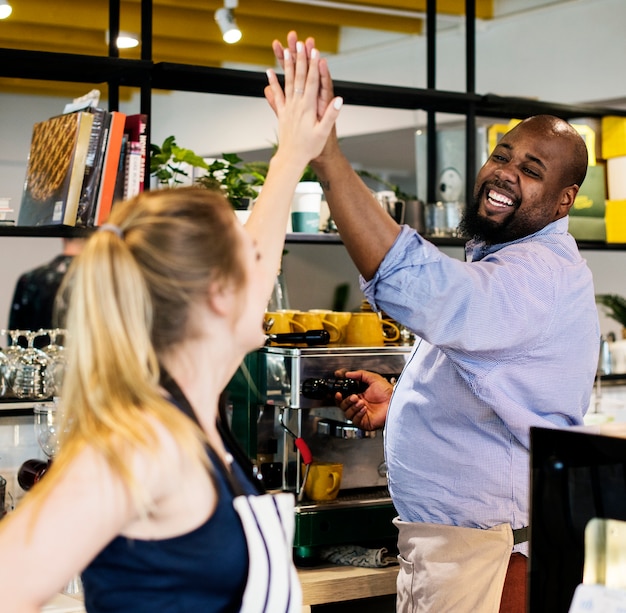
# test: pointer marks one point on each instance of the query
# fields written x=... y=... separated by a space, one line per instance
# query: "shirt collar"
x=477 y=250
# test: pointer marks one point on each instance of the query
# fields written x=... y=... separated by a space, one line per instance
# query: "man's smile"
x=499 y=200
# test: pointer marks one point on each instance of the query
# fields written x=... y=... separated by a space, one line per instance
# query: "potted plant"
x=238 y=181
x=615 y=306
x=167 y=162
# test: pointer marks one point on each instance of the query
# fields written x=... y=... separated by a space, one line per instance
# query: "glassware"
x=4 y=367
x=279 y=299
x=12 y=353
x=436 y=219
x=454 y=214
x=56 y=359
x=47 y=434
x=6 y=499
x=47 y=427
x=32 y=378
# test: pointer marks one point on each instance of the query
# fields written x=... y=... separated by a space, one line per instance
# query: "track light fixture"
x=125 y=40
x=5 y=9
x=225 y=18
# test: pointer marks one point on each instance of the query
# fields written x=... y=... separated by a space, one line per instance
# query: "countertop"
x=320 y=585
x=332 y=583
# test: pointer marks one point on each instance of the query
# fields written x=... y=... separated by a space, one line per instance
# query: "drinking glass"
x=56 y=359
x=4 y=366
x=32 y=379
x=12 y=353
x=47 y=427
x=47 y=435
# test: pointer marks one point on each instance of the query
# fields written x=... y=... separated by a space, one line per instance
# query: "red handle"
x=305 y=452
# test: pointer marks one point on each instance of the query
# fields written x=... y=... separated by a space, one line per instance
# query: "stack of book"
x=81 y=163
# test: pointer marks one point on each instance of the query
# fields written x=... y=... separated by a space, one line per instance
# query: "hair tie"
x=109 y=227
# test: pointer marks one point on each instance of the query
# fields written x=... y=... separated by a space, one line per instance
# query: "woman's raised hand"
x=306 y=108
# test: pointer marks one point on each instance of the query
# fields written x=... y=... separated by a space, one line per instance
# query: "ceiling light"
x=125 y=40
x=5 y=9
x=225 y=18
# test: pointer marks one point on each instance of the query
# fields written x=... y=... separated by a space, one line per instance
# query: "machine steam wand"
x=305 y=453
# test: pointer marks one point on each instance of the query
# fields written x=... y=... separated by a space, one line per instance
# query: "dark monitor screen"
x=575 y=476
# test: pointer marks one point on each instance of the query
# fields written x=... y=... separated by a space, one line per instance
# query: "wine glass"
x=47 y=435
x=12 y=352
x=56 y=359
x=47 y=427
x=31 y=379
x=4 y=367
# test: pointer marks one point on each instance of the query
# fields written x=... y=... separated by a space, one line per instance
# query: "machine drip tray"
x=349 y=498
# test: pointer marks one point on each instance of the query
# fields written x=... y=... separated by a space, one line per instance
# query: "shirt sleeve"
x=502 y=302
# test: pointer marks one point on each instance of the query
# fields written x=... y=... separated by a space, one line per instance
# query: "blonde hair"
x=130 y=298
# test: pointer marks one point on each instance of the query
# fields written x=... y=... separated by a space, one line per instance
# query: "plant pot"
x=242 y=204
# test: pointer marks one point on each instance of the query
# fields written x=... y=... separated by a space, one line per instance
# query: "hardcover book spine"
x=137 y=130
x=78 y=169
x=93 y=167
x=133 y=182
x=118 y=193
x=109 y=170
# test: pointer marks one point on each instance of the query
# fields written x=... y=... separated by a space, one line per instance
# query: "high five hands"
x=307 y=95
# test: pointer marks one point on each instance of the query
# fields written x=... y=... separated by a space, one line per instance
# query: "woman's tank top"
x=239 y=560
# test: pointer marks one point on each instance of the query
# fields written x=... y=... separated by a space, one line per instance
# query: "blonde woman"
x=144 y=497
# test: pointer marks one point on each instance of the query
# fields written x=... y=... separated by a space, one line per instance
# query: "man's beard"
x=474 y=225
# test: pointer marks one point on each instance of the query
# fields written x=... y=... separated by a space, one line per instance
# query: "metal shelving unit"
x=147 y=75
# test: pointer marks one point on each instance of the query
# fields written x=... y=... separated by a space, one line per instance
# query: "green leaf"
x=615 y=306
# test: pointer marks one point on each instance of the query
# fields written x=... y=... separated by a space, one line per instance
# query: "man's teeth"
x=499 y=199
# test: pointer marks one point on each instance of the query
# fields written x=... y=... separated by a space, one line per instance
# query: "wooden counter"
x=320 y=585
x=331 y=583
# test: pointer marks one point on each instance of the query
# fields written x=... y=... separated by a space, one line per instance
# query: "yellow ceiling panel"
x=185 y=30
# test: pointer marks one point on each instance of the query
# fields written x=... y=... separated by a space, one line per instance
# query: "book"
x=93 y=167
x=110 y=164
x=55 y=170
x=137 y=130
x=118 y=193
x=133 y=169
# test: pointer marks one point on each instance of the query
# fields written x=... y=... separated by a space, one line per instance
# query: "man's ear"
x=568 y=196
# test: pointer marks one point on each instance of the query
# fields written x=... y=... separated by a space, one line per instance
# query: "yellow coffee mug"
x=280 y=322
x=391 y=330
x=323 y=480
x=366 y=330
x=340 y=319
x=314 y=321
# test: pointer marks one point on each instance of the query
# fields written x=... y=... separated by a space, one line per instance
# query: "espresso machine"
x=283 y=397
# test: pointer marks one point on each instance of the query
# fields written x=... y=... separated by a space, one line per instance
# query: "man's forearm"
x=366 y=229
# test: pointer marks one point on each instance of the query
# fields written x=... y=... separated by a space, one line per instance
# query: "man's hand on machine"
x=367 y=410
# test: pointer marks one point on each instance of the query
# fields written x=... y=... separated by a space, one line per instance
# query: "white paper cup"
x=305 y=207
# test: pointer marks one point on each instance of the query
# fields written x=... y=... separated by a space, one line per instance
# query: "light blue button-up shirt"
x=508 y=339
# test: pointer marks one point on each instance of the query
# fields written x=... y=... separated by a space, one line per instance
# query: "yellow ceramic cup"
x=281 y=323
x=314 y=321
x=391 y=331
x=323 y=481
x=366 y=330
x=340 y=319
